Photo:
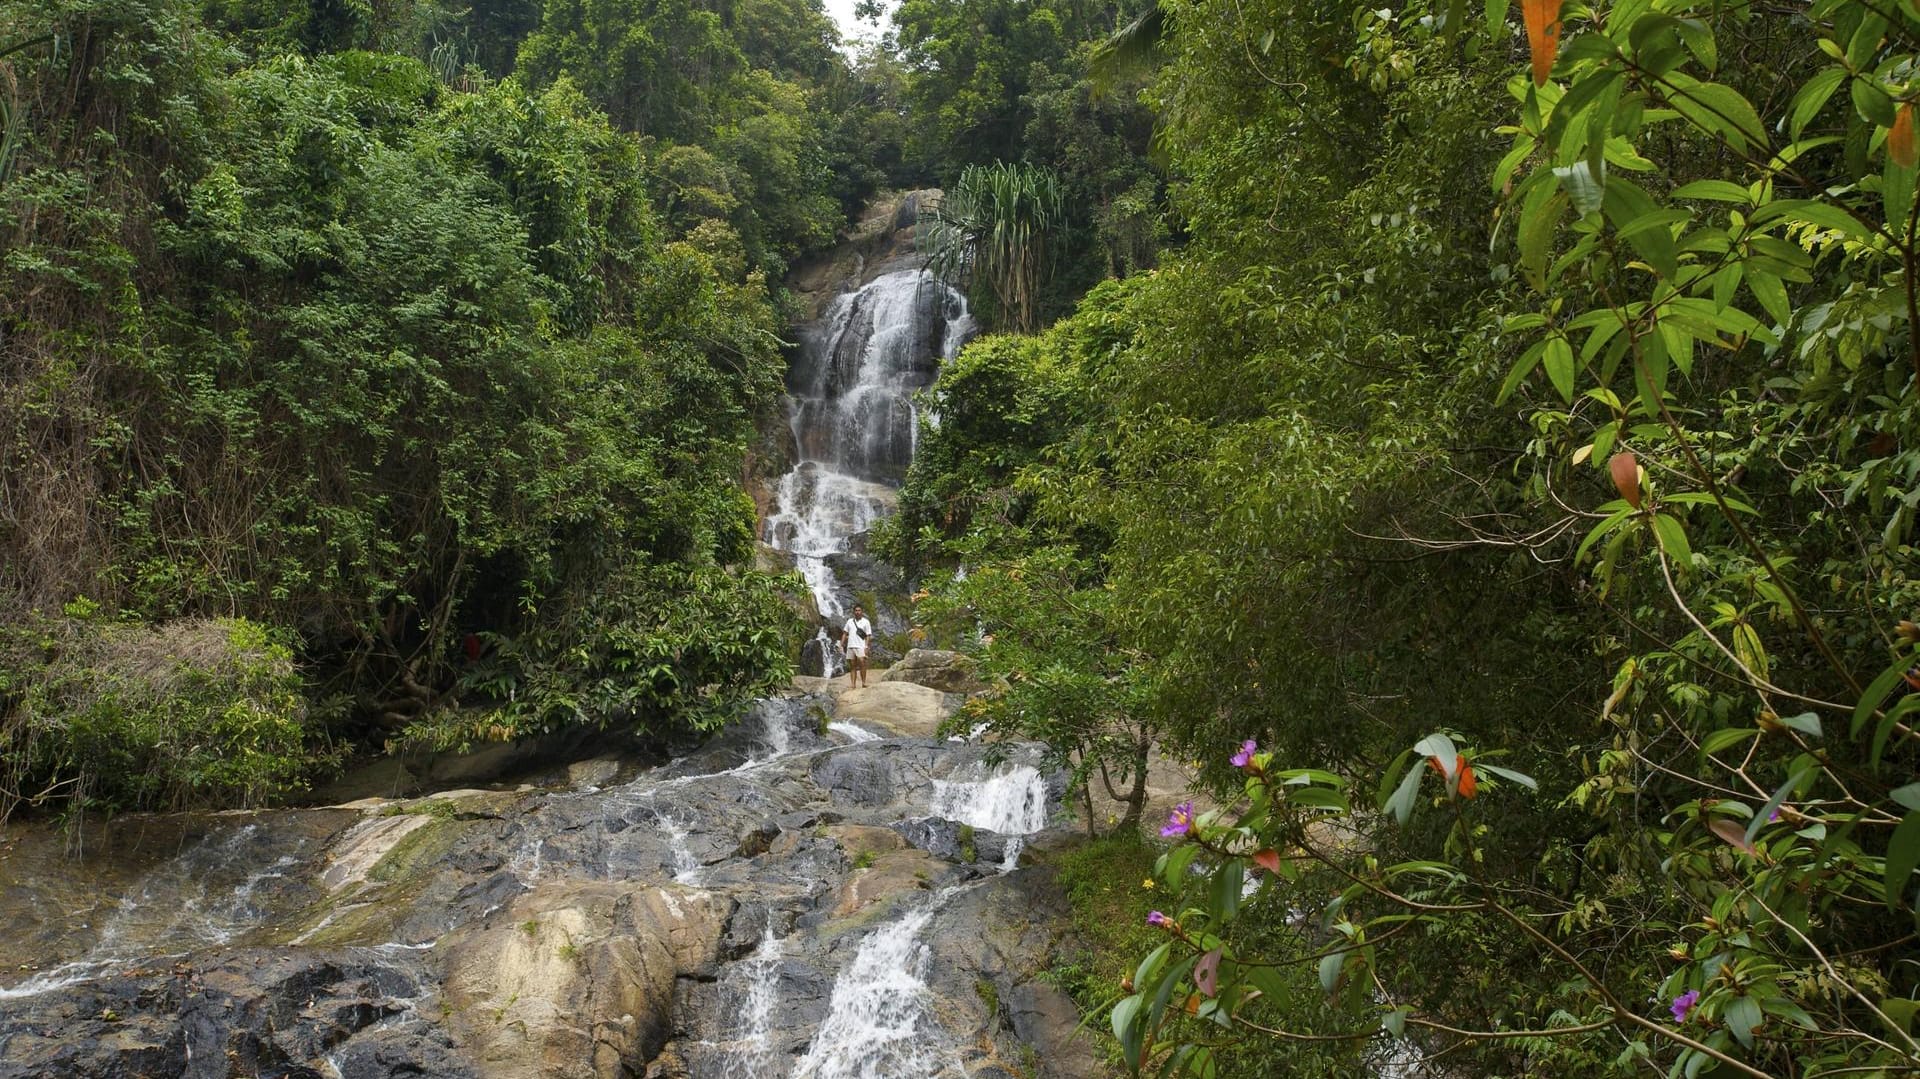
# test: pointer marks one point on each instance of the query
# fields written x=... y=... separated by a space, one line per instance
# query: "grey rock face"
x=948 y=672
x=705 y=919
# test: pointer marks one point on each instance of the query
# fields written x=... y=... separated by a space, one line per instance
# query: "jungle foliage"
x=443 y=378
x=1520 y=456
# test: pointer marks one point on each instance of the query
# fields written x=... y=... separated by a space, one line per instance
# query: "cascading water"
x=853 y=417
x=879 y=1022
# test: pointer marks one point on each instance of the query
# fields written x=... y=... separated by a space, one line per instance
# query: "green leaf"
x=1762 y=816
x=1813 y=97
x=1818 y=214
x=1772 y=295
x=1582 y=186
x=1539 y=221
x=1726 y=737
x=1673 y=539
x=1437 y=745
x=1124 y=1030
x=1716 y=109
x=1715 y=191
x=1395 y=1021
x=1871 y=100
x=1805 y=723
x=1601 y=530
x=1903 y=854
x=1509 y=774
x=1908 y=795
x=1406 y=794
x=1741 y=1015
x=1330 y=966
x=1177 y=861
x=1228 y=880
x=1876 y=692
x=1150 y=966
x=1521 y=368
x=1558 y=359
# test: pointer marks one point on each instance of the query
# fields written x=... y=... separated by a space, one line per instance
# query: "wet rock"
x=948 y=672
x=356 y=853
x=576 y=979
x=901 y=707
x=244 y=1012
x=862 y=779
x=597 y=772
x=885 y=877
x=953 y=841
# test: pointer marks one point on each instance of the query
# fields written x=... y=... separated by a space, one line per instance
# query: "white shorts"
x=859 y=650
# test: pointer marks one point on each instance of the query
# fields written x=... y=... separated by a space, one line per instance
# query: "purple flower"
x=1179 y=821
x=1683 y=1004
x=1157 y=918
x=1245 y=757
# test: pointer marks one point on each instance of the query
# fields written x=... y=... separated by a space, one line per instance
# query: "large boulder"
x=575 y=980
x=948 y=672
x=904 y=708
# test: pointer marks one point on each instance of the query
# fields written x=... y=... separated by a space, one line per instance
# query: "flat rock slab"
x=906 y=709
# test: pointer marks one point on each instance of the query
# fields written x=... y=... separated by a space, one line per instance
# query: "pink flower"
x=1157 y=918
x=1179 y=822
x=1245 y=757
x=1683 y=1004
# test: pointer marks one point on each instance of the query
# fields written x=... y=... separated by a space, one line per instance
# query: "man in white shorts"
x=854 y=637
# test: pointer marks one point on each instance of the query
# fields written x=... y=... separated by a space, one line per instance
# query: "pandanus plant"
x=992 y=234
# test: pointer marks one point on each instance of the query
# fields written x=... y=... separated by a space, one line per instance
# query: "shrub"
x=95 y=712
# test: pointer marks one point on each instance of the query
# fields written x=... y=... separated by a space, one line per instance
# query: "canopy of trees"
x=1518 y=453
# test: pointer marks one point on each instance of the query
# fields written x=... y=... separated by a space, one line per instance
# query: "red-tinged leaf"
x=1268 y=860
x=1468 y=785
x=1900 y=145
x=1625 y=469
x=1206 y=973
x=1543 y=35
x=1731 y=832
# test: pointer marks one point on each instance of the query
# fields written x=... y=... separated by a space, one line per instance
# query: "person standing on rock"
x=854 y=637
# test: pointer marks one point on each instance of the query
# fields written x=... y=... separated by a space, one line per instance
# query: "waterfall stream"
x=802 y=878
x=853 y=418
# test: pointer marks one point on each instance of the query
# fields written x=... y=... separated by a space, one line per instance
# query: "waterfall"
x=881 y=1008
x=179 y=907
x=853 y=417
x=752 y=1057
x=1014 y=802
x=879 y=1021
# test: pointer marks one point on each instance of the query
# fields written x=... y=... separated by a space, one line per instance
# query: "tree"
x=995 y=232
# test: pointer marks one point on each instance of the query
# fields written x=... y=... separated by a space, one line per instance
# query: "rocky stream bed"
x=824 y=891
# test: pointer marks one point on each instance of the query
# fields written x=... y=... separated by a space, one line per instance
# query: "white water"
x=199 y=916
x=881 y=1011
x=853 y=733
x=752 y=1056
x=879 y=1022
x=1014 y=802
x=854 y=418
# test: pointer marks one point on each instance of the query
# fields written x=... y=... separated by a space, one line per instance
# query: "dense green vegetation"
x=1513 y=438
x=405 y=333
x=1525 y=466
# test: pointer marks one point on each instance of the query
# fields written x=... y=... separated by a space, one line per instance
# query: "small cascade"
x=752 y=1056
x=879 y=1016
x=854 y=419
x=852 y=732
x=179 y=907
x=879 y=1023
x=686 y=867
x=1013 y=802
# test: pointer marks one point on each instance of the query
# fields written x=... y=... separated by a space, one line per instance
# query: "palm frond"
x=1133 y=50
